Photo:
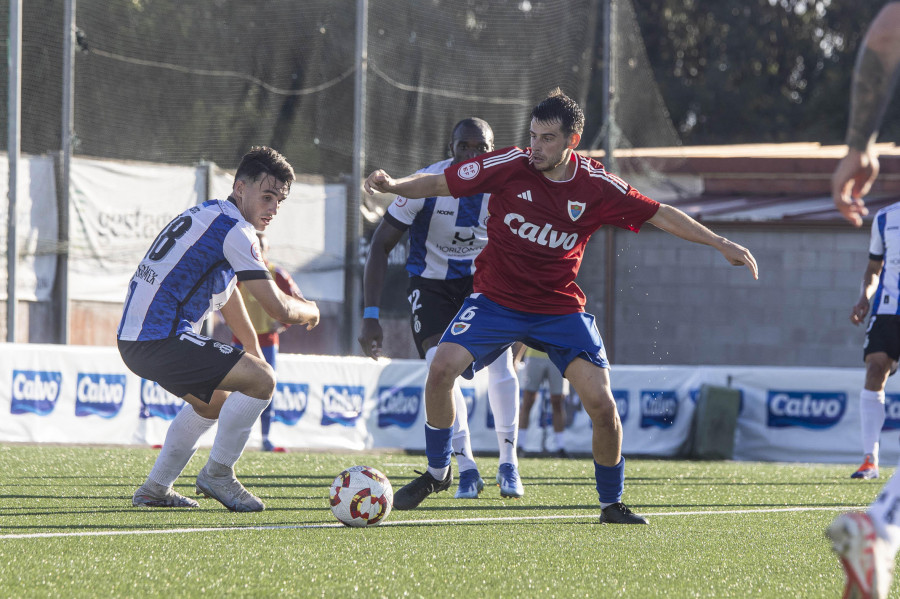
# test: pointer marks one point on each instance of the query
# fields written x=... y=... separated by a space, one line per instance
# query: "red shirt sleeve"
x=484 y=174
x=632 y=210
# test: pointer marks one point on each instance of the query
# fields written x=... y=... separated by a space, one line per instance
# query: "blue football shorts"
x=486 y=329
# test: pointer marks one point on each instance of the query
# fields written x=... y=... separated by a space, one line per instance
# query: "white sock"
x=885 y=513
x=507 y=443
x=438 y=473
x=522 y=435
x=503 y=395
x=560 y=440
x=871 y=417
x=237 y=417
x=461 y=440
x=181 y=443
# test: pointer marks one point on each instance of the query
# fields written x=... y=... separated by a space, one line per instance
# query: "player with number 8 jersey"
x=191 y=269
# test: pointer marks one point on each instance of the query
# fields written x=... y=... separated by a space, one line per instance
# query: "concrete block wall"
x=675 y=303
x=681 y=303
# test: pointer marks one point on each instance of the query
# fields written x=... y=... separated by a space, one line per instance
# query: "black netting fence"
x=181 y=82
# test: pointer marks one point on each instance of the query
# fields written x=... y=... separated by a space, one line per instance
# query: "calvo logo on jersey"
x=658 y=408
x=807 y=409
x=156 y=402
x=35 y=391
x=621 y=397
x=576 y=209
x=545 y=235
x=399 y=406
x=341 y=404
x=99 y=394
x=289 y=402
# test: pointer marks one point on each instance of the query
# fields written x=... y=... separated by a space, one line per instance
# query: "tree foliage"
x=757 y=70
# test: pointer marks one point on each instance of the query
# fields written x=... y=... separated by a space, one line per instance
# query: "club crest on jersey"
x=458 y=328
x=469 y=170
x=254 y=251
x=576 y=209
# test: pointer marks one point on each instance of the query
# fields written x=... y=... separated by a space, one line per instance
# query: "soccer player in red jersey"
x=546 y=201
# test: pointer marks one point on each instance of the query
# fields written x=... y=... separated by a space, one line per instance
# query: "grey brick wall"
x=681 y=303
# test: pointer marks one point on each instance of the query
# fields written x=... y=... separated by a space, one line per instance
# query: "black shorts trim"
x=185 y=364
x=434 y=303
x=252 y=275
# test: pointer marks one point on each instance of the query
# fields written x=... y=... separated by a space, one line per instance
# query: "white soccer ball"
x=361 y=496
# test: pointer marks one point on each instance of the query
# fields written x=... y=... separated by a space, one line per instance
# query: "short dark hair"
x=263 y=160
x=560 y=107
x=472 y=122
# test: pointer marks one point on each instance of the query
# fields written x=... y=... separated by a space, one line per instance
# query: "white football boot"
x=866 y=558
x=228 y=491
x=153 y=494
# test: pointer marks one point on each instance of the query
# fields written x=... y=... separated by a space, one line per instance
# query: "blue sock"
x=438 y=446
x=610 y=481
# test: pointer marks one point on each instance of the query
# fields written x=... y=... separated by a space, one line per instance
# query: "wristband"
x=371 y=312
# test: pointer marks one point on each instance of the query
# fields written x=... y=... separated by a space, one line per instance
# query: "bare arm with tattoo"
x=874 y=79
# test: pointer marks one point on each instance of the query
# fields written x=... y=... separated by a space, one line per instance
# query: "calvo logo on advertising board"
x=891 y=412
x=806 y=409
x=342 y=404
x=99 y=394
x=621 y=397
x=156 y=402
x=289 y=402
x=35 y=391
x=399 y=406
x=658 y=408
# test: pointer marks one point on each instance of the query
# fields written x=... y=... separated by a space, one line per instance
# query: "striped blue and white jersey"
x=190 y=270
x=445 y=233
x=885 y=245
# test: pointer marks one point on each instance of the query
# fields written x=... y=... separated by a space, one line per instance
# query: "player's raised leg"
x=450 y=361
x=591 y=382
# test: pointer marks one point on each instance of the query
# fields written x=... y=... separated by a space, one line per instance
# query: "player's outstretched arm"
x=851 y=181
x=235 y=314
x=384 y=239
x=283 y=307
x=674 y=221
x=419 y=185
x=874 y=79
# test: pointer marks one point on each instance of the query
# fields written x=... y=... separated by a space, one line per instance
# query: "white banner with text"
x=86 y=395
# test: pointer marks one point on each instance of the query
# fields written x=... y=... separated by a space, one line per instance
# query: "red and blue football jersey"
x=538 y=228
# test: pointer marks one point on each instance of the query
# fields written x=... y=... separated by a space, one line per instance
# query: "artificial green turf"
x=508 y=549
